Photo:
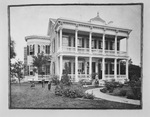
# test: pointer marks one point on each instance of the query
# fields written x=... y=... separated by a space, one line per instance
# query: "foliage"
x=111 y=85
x=16 y=70
x=55 y=79
x=88 y=96
x=130 y=95
x=65 y=78
x=71 y=91
x=12 y=51
x=39 y=61
x=103 y=90
x=136 y=88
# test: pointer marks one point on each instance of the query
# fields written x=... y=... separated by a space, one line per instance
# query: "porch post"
x=104 y=42
x=90 y=42
x=119 y=67
x=76 y=69
x=127 y=45
x=96 y=67
x=85 y=69
x=76 y=40
x=115 y=69
x=72 y=69
x=108 y=68
x=60 y=67
x=60 y=39
x=90 y=66
x=127 y=68
x=103 y=68
x=116 y=43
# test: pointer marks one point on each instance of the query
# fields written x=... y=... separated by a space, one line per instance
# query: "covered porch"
x=83 y=67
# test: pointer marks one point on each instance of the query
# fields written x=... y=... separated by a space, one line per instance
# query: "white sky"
x=33 y=20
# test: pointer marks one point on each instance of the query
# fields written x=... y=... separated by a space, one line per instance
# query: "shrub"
x=58 y=90
x=104 y=90
x=123 y=92
x=88 y=96
x=130 y=95
x=55 y=79
x=66 y=80
x=71 y=91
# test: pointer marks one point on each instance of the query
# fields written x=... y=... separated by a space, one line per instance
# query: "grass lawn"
x=26 y=97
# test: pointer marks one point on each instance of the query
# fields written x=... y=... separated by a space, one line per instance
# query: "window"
x=27 y=50
x=47 y=49
x=31 y=49
x=38 y=48
x=79 y=42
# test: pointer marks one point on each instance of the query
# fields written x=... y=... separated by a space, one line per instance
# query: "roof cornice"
x=93 y=25
x=37 y=37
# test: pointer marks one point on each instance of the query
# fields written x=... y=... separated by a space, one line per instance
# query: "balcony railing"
x=110 y=52
x=80 y=76
x=68 y=49
x=94 y=51
x=97 y=51
x=83 y=50
x=121 y=53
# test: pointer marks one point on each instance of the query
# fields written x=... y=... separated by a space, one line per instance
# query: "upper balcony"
x=66 y=49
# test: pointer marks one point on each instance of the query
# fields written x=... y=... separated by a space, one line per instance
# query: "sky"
x=33 y=20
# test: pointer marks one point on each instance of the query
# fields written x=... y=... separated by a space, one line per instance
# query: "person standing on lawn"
x=43 y=83
x=49 y=85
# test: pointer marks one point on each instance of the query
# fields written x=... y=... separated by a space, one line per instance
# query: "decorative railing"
x=97 y=51
x=45 y=77
x=83 y=76
x=121 y=53
x=108 y=76
x=94 y=51
x=121 y=76
x=68 y=49
x=110 y=52
x=83 y=50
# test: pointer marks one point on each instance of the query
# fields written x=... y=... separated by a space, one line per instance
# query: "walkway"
x=96 y=92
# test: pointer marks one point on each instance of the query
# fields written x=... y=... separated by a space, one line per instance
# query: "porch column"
x=116 y=43
x=85 y=68
x=103 y=68
x=90 y=66
x=127 y=45
x=90 y=42
x=108 y=68
x=127 y=68
x=96 y=67
x=76 y=69
x=104 y=42
x=115 y=69
x=119 y=67
x=60 y=67
x=76 y=40
x=60 y=44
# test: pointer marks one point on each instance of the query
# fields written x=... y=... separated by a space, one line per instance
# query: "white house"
x=86 y=48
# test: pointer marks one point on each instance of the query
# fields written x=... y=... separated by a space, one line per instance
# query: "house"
x=86 y=48
x=36 y=45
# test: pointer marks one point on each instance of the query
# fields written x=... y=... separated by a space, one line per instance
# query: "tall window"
x=47 y=49
x=31 y=49
x=27 y=50
x=38 y=48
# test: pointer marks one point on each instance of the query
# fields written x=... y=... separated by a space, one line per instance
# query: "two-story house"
x=87 y=47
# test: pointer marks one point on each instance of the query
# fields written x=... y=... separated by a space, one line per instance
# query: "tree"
x=12 y=51
x=16 y=70
x=39 y=61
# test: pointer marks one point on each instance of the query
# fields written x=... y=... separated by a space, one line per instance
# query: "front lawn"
x=26 y=97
